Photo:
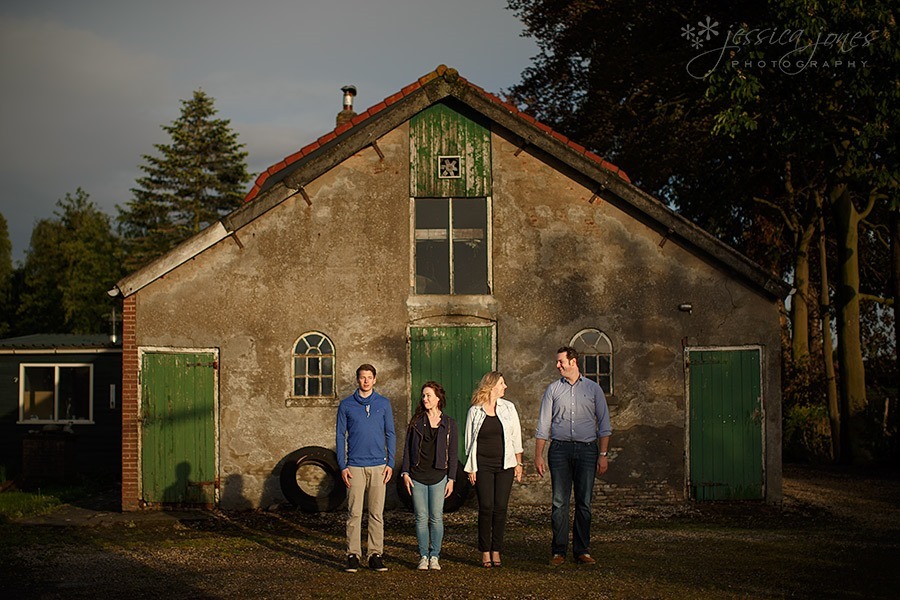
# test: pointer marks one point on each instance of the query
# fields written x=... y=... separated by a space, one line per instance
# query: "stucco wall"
x=560 y=264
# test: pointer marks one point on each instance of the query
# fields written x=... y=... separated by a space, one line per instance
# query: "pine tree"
x=197 y=179
x=71 y=263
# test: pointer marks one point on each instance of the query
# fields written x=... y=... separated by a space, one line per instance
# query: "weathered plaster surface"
x=560 y=264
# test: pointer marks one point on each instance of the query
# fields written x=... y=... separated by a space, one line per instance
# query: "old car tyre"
x=451 y=504
x=324 y=459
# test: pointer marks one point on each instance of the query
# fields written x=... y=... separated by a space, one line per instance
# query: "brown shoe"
x=557 y=560
x=585 y=559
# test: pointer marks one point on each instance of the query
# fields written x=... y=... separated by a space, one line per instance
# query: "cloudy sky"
x=86 y=85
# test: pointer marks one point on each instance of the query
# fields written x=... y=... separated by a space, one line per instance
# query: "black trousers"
x=492 y=489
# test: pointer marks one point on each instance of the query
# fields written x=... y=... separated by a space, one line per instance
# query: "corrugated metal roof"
x=50 y=341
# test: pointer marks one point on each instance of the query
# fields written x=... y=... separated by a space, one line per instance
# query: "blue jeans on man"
x=572 y=463
x=428 y=505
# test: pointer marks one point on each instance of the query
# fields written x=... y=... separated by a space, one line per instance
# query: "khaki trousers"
x=363 y=480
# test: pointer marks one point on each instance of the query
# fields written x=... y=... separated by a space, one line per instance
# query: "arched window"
x=313 y=365
x=595 y=357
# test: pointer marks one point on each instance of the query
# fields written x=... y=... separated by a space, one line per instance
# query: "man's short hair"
x=571 y=353
x=366 y=367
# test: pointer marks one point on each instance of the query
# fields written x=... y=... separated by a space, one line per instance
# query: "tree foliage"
x=6 y=278
x=73 y=259
x=753 y=148
x=194 y=180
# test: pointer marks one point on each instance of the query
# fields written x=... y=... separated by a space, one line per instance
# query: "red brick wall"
x=130 y=404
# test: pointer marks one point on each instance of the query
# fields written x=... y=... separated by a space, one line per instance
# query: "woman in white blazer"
x=494 y=459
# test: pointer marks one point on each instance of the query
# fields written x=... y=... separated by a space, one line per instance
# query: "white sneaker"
x=433 y=564
x=423 y=564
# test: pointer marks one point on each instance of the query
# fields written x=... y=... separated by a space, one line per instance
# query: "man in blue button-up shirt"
x=575 y=418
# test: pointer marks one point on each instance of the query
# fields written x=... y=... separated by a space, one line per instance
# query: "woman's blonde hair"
x=482 y=393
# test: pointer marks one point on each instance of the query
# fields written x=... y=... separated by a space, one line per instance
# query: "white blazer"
x=512 y=434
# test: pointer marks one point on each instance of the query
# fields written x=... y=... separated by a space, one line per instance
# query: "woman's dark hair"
x=438 y=390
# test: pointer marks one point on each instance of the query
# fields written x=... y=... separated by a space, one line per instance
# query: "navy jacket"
x=446 y=445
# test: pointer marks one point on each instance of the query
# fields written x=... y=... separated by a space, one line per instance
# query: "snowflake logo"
x=708 y=28
x=705 y=30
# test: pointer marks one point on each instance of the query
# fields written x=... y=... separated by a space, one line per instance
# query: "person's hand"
x=539 y=465
x=346 y=476
x=472 y=478
x=449 y=489
x=388 y=471
x=409 y=483
x=519 y=471
x=602 y=465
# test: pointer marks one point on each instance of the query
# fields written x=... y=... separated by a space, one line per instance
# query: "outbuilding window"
x=313 y=366
x=451 y=246
x=56 y=393
x=595 y=357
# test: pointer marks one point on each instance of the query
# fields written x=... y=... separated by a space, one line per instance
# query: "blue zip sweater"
x=365 y=431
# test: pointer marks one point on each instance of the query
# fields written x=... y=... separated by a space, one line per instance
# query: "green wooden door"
x=455 y=357
x=726 y=456
x=178 y=443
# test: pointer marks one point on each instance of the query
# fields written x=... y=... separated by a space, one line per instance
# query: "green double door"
x=726 y=414
x=178 y=428
x=455 y=357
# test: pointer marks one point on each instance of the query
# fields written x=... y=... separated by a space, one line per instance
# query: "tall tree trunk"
x=851 y=367
x=834 y=411
x=801 y=298
x=892 y=420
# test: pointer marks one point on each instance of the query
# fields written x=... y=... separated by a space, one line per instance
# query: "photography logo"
x=703 y=32
x=786 y=49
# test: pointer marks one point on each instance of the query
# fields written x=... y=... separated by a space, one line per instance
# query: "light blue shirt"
x=573 y=412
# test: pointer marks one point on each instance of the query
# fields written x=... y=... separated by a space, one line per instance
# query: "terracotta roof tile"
x=441 y=71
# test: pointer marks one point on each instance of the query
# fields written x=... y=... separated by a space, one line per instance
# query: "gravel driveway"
x=837 y=535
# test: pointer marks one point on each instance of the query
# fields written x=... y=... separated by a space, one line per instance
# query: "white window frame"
x=441 y=234
x=294 y=376
x=56 y=419
x=602 y=338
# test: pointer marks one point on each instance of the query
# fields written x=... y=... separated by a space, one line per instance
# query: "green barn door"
x=455 y=357
x=726 y=457
x=178 y=444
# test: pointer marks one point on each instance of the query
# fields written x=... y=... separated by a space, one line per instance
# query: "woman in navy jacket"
x=429 y=469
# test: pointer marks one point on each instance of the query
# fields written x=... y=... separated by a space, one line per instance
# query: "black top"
x=490 y=445
x=425 y=471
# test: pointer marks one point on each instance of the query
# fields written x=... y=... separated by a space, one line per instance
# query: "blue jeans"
x=428 y=504
x=572 y=462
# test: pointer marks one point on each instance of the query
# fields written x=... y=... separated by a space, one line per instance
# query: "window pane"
x=313 y=387
x=470 y=246
x=590 y=338
x=313 y=341
x=470 y=213
x=299 y=366
x=74 y=393
x=327 y=386
x=325 y=346
x=590 y=363
x=432 y=267
x=313 y=366
x=39 y=386
x=605 y=382
x=604 y=364
x=432 y=213
x=327 y=363
x=298 y=387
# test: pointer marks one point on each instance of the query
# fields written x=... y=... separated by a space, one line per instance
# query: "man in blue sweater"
x=365 y=452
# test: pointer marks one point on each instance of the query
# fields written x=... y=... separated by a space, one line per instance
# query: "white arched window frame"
x=595 y=357
x=313 y=366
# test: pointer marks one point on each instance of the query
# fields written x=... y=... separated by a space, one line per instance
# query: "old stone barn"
x=438 y=235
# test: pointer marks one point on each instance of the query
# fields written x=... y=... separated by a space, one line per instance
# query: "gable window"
x=451 y=246
x=50 y=393
x=595 y=357
x=313 y=366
